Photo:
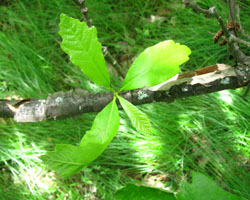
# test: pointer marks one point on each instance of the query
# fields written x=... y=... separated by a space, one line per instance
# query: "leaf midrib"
x=112 y=108
x=86 y=50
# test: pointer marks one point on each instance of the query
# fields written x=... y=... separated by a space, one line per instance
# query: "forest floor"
x=209 y=133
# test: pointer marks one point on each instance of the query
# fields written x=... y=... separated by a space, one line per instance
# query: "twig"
x=231 y=17
x=232 y=38
x=84 y=11
x=210 y=12
x=233 y=47
x=110 y=58
x=114 y=62
x=232 y=10
x=195 y=7
x=241 y=29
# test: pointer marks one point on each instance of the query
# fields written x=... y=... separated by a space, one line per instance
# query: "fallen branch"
x=65 y=104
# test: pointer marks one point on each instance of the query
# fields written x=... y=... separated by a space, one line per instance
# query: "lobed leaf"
x=67 y=159
x=81 y=43
x=156 y=64
x=138 y=118
x=203 y=188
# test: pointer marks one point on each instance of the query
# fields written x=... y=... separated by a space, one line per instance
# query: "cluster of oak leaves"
x=153 y=66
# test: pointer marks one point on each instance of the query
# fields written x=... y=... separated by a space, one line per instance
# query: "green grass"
x=209 y=133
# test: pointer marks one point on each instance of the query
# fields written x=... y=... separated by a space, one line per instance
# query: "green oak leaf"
x=104 y=128
x=131 y=191
x=67 y=159
x=156 y=64
x=203 y=188
x=81 y=43
x=138 y=118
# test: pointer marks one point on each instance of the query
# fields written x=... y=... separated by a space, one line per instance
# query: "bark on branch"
x=65 y=104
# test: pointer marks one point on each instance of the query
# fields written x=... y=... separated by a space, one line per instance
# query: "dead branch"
x=75 y=102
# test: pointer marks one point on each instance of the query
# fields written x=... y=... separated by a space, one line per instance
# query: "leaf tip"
x=62 y=16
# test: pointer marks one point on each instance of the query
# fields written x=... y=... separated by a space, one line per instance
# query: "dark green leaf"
x=134 y=192
x=203 y=188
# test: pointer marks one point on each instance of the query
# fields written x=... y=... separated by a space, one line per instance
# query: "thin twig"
x=232 y=10
x=114 y=63
x=195 y=7
x=219 y=19
x=84 y=11
x=232 y=38
x=232 y=46
x=210 y=12
x=241 y=29
x=110 y=58
x=231 y=17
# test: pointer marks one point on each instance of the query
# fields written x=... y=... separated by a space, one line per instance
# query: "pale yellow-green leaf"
x=156 y=64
